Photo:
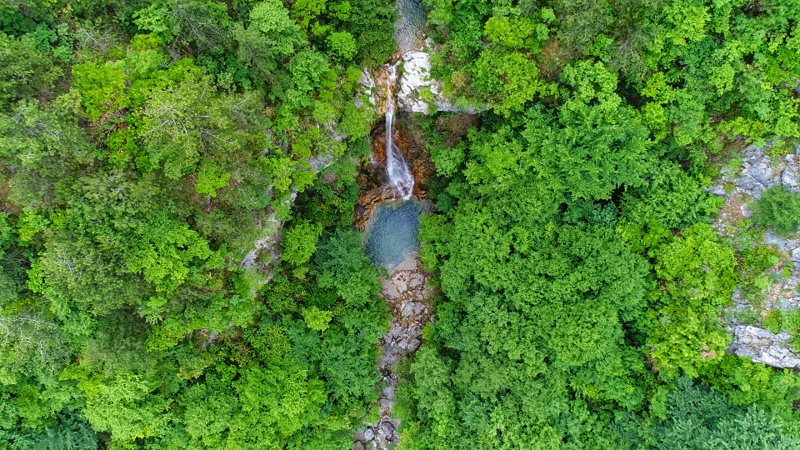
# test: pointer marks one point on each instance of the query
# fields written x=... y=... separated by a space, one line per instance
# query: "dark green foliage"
x=537 y=308
x=346 y=268
x=613 y=160
x=778 y=208
x=150 y=152
x=371 y=22
x=698 y=418
x=24 y=70
x=132 y=190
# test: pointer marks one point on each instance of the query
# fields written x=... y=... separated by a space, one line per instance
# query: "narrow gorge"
x=389 y=208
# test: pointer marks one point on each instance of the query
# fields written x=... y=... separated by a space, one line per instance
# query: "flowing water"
x=391 y=241
x=400 y=177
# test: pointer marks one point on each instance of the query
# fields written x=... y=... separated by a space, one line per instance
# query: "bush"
x=779 y=209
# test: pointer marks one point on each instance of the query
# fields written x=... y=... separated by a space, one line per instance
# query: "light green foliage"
x=163 y=254
x=210 y=179
x=506 y=79
x=343 y=45
x=317 y=319
x=272 y=20
x=682 y=265
x=304 y=11
x=779 y=209
x=300 y=242
x=307 y=68
x=29 y=224
x=122 y=406
x=510 y=31
x=199 y=23
x=697 y=278
x=102 y=87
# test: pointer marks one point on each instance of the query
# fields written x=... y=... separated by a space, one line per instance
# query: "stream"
x=391 y=205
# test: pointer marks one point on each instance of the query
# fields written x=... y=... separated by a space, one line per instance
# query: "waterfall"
x=400 y=177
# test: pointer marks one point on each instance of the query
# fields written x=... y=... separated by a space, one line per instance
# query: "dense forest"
x=583 y=272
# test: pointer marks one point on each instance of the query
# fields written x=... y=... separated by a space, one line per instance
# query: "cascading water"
x=400 y=177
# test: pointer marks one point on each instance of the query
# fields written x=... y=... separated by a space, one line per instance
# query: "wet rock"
x=373 y=179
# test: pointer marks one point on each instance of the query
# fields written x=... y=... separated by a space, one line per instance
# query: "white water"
x=400 y=177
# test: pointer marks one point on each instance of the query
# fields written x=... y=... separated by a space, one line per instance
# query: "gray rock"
x=357 y=446
x=416 y=79
x=359 y=436
x=387 y=431
x=758 y=172
x=789 y=177
x=764 y=346
x=412 y=308
x=386 y=403
x=783 y=244
x=369 y=434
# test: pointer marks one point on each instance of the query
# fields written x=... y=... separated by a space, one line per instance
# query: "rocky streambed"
x=391 y=226
x=408 y=296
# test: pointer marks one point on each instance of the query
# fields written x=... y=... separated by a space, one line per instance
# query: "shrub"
x=779 y=209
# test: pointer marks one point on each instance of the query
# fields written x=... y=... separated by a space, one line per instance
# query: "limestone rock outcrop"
x=759 y=171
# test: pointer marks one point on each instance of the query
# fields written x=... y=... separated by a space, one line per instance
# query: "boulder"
x=418 y=91
x=763 y=346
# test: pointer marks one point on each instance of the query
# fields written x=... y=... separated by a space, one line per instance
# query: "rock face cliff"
x=759 y=170
x=417 y=91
